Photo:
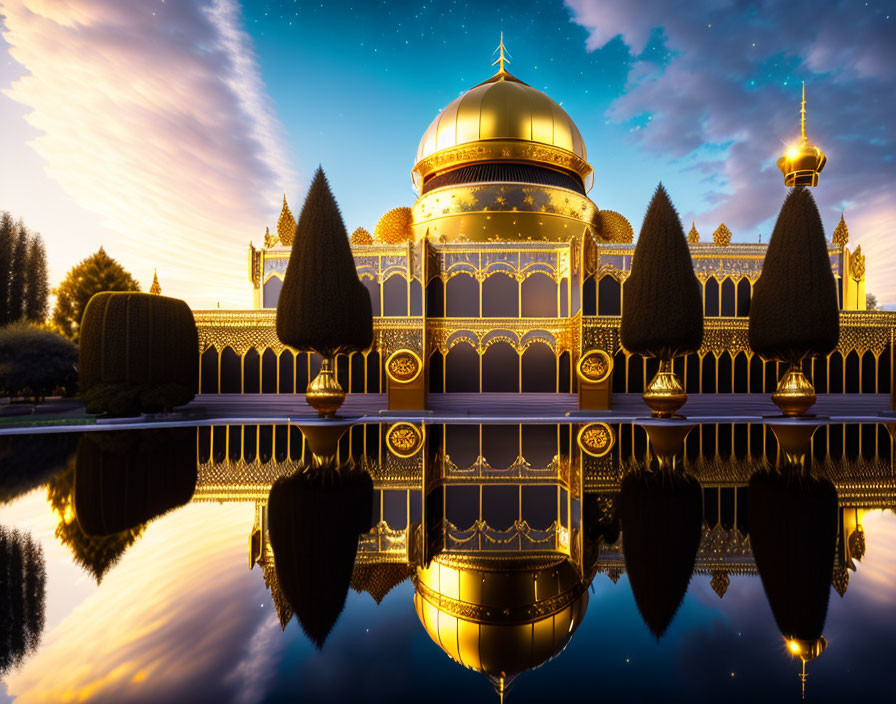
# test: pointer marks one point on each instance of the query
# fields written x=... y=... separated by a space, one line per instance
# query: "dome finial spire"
x=803 y=113
x=502 y=59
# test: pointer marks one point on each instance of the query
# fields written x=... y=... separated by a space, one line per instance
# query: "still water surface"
x=445 y=565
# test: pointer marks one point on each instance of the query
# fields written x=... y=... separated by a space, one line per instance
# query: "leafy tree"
x=98 y=272
x=871 y=302
x=36 y=286
x=35 y=360
x=7 y=245
x=323 y=305
x=23 y=579
x=662 y=311
x=18 y=275
x=794 y=311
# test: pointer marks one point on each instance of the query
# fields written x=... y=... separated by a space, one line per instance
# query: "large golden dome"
x=503 y=107
x=502 y=162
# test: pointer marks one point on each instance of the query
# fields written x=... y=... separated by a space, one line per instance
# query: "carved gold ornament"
x=841 y=233
x=857 y=264
x=594 y=367
x=693 y=235
x=404 y=439
x=361 y=236
x=615 y=227
x=286 y=225
x=394 y=227
x=722 y=235
x=596 y=439
x=403 y=366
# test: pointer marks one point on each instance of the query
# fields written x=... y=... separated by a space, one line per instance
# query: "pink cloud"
x=154 y=117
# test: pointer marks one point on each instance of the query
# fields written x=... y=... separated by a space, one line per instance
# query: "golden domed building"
x=504 y=275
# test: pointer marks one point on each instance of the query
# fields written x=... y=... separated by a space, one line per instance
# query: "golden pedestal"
x=406 y=381
x=595 y=377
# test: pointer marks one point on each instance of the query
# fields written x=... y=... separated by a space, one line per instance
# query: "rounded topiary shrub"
x=794 y=311
x=138 y=353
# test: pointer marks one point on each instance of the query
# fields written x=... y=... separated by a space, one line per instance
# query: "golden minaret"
x=803 y=161
x=155 y=288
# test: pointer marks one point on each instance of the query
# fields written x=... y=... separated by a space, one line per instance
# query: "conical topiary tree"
x=794 y=312
x=662 y=311
x=323 y=305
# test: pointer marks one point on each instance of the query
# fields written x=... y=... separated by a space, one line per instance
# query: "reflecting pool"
x=447 y=563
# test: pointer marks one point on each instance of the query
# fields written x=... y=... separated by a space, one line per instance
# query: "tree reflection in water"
x=315 y=519
x=661 y=513
x=23 y=580
x=116 y=484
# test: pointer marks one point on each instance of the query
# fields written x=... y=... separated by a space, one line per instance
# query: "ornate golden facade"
x=504 y=274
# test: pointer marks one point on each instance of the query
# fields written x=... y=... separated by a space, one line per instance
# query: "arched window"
x=271 y=291
x=741 y=372
x=708 y=376
x=539 y=296
x=301 y=372
x=869 y=373
x=395 y=296
x=436 y=374
x=852 y=373
x=416 y=297
x=500 y=296
x=566 y=379
x=231 y=382
x=835 y=373
x=435 y=298
x=269 y=372
x=883 y=372
x=619 y=367
x=564 y=299
x=287 y=366
x=756 y=381
x=724 y=374
x=462 y=369
x=743 y=298
x=373 y=288
x=711 y=298
x=462 y=297
x=609 y=296
x=692 y=373
x=251 y=372
x=500 y=368
x=539 y=368
x=373 y=372
x=209 y=369
x=356 y=369
x=729 y=299
x=589 y=297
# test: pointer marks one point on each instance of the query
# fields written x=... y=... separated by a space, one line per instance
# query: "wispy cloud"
x=728 y=74
x=153 y=115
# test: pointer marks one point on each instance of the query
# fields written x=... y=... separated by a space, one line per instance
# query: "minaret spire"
x=803 y=113
x=502 y=59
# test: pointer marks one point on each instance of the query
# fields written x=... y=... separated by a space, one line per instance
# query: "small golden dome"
x=803 y=161
x=394 y=227
x=361 y=236
x=615 y=227
x=722 y=235
x=693 y=235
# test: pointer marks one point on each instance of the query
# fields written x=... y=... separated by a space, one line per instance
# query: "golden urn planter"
x=324 y=394
x=665 y=394
x=795 y=394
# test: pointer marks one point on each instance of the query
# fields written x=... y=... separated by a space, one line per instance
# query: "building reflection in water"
x=502 y=528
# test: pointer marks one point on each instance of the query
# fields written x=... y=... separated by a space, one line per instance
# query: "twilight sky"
x=168 y=130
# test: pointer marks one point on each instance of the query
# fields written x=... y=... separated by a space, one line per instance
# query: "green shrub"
x=35 y=361
x=139 y=353
x=662 y=310
x=323 y=305
x=794 y=311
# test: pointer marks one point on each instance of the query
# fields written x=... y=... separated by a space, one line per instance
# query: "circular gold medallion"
x=404 y=439
x=403 y=366
x=594 y=366
x=596 y=439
